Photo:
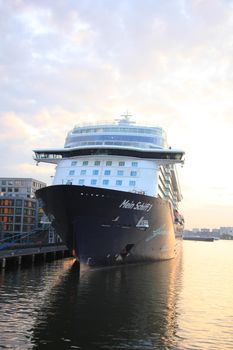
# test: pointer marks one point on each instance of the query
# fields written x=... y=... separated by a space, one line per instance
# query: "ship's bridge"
x=163 y=156
x=122 y=134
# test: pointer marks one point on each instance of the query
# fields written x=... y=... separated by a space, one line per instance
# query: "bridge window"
x=133 y=173
x=71 y=172
x=105 y=182
x=108 y=163
x=134 y=164
x=107 y=172
x=95 y=172
x=120 y=172
x=132 y=183
x=85 y=162
x=81 y=181
x=121 y=163
x=83 y=172
x=74 y=163
x=97 y=162
x=93 y=182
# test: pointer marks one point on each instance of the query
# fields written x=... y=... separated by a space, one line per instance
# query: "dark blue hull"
x=109 y=227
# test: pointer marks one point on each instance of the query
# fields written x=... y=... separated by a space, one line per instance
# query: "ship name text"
x=127 y=204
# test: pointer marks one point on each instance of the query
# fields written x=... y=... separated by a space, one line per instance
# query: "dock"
x=198 y=238
x=27 y=254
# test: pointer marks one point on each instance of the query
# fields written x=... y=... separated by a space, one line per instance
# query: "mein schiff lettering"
x=126 y=204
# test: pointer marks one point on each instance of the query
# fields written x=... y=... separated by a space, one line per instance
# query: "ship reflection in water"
x=130 y=307
x=184 y=303
x=125 y=308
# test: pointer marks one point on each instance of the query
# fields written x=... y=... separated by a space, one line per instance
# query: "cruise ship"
x=115 y=193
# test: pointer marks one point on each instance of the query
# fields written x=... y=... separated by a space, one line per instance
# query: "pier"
x=27 y=254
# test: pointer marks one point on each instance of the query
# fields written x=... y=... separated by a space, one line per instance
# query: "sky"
x=170 y=63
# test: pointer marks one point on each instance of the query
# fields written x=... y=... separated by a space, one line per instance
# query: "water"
x=179 y=304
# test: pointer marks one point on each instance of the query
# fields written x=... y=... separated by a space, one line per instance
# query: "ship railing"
x=114 y=122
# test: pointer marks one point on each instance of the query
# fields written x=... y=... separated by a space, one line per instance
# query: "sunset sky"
x=170 y=63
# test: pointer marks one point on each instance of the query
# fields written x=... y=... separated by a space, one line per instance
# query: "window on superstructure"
x=95 y=172
x=134 y=164
x=93 y=182
x=107 y=172
x=120 y=172
x=108 y=163
x=71 y=172
x=105 y=182
x=81 y=181
x=73 y=163
x=97 y=162
x=118 y=182
x=132 y=183
x=133 y=173
x=121 y=163
x=85 y=162
x=83 y=172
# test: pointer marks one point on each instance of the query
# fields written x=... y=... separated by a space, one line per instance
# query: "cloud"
x=169 y=63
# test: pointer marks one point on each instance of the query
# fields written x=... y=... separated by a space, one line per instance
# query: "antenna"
x=125 y=118
x=126 y=115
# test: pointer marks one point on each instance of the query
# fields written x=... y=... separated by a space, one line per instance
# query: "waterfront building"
x=226 y=231
x=216 y=232
x=19 y=187
x=222 y=232
x=20 y=213
x=195 y=230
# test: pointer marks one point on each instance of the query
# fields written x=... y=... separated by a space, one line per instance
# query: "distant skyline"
x=170 y=63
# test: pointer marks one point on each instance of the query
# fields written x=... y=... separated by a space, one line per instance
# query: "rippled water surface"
x=185 y=303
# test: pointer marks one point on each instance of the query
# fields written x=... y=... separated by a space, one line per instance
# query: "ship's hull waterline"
x=109 y=227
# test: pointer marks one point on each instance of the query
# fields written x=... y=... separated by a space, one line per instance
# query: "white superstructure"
x=114 y=172
x=121 y=156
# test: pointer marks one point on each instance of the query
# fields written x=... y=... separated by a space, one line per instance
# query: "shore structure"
x=20 y=213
